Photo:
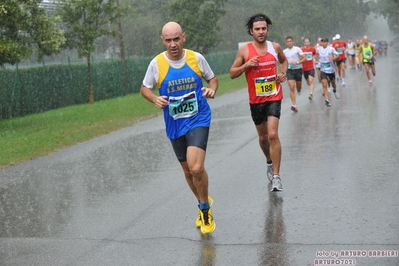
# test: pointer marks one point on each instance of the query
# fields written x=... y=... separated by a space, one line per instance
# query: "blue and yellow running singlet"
x=187 y=107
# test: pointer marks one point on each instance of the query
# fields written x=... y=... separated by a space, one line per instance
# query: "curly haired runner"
x=258 y=60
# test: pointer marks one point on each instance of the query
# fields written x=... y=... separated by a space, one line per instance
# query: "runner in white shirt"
x=317 y=64
x=351 y=53
x=326 y=55
x=295 y=58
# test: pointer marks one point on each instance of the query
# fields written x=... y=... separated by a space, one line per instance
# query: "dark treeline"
x=299 y=18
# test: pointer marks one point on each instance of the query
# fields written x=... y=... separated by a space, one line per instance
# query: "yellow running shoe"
x=208 y=224
x=198 y=221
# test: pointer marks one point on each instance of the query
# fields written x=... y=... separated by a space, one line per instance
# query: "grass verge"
x=28 y=137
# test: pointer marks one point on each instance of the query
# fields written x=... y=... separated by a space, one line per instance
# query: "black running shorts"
x=328 y=76
x=294 y=74
x=197 y=137
x=308 y=73
x=339 y=62
x=368 y=61
x=260 y=112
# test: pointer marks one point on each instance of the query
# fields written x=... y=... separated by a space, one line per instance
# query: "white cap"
x=333 y=38
x=337 y=37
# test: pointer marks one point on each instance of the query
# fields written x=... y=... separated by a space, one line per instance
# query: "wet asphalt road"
x=121 y=199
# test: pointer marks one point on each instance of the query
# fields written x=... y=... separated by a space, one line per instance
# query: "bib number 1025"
x=183 y=106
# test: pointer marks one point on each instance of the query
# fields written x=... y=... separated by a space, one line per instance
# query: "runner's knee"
x=197 y=170
x=273 y=136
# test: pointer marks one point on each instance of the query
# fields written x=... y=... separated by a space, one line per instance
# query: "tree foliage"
x=142 y=27
x=220 y=25
x=321 y=18
x=27 y=29
x=210 y=25
x=199 y=20
x=390 y=10
x=299 y=18
x=85 y=21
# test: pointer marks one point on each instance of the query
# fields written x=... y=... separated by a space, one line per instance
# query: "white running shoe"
x=270 y=172
x=276 y=184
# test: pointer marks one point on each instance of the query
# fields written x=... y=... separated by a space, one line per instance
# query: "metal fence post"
x=13 y=90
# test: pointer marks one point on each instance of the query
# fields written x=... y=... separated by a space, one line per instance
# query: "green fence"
x=37 y=89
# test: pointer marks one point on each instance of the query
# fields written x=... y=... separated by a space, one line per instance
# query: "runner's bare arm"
x=281 y=77
x=316 y=57
x=302 y=59
x=239 y=64
x=210 y=90
x=335 y=56
x=159 y=101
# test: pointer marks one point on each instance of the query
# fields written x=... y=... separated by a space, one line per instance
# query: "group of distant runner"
x=329 y=61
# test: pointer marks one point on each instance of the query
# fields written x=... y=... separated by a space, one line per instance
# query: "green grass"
x=41 y=134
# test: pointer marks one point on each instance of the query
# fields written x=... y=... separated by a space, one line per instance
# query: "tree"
x=234 y=22
x=27 y=29
x=390 y=10
x=299 y=18
x=319 y=18
x=199 y=21
x=143 y=27
x=85 y=21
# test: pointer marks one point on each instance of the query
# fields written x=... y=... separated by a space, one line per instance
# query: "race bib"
x=340 y=50
x=266 y=86
x=297 y=66
x=183 y=106
x=326 y=66
x=308 y=56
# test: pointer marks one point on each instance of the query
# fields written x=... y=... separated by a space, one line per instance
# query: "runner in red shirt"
x=308 y=65
x=259 y=60
x=340 y=46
